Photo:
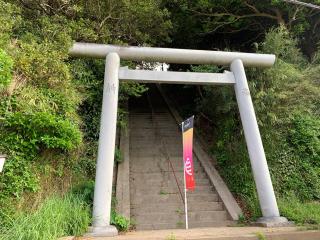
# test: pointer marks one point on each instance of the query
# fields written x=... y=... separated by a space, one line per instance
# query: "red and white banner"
x=187 y=136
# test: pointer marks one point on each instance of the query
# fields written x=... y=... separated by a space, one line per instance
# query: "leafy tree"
x=238 y=24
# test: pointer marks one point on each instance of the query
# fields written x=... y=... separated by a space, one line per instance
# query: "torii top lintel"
x=171 y=55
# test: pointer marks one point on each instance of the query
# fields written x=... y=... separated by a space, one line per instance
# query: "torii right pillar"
x=268 y=204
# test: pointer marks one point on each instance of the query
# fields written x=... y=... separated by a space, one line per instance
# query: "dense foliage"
x=287 y=102
x=50 y=104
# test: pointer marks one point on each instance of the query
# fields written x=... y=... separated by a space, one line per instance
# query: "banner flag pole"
x=188 y=171
x=186 y=207
x=185 y=193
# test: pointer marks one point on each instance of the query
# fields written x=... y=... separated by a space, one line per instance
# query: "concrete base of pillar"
x=107 y=231
x=273 y=222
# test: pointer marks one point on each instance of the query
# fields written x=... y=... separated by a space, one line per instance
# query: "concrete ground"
x=221 y=233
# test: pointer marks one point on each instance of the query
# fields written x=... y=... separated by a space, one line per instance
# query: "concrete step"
x=173 y=189
x=160 y=158
x=165 y=182
x=149 y=124
x=166 y=175
x=181 y=225
x=168 y=127
x=154 y=126
x=139 y=154
x=137 y=198
x=155 y=136
x=149 y=142
x=167 y=169
x=158 y=121
x=163 y=167
x=155 y=145
x=150 y=164
x=160 y=148
x=174 y=217
x=166 y=179
x=152 y=138
x=163 y=111
x=149 y=115
x=177 y=207
x=157 y=129
x=166 y=131
x=136 y=122
x=134 y=125
x=162 y=152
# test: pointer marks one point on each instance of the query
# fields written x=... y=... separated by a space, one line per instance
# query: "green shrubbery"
x=56 y=217
x=86 y=189
x=40 y=130
x=304 y=137
x=121 y=222
x=38 y=104
x=300 y=212
x=6 y=65
x=50 y=103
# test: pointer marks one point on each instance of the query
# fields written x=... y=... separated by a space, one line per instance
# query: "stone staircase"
x=155 y=199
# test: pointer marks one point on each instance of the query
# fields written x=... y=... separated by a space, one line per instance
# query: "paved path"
x=220 y=233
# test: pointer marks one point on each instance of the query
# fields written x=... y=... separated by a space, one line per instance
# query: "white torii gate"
x=237 y=77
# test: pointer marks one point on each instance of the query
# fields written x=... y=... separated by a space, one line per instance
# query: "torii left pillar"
x=107 y=137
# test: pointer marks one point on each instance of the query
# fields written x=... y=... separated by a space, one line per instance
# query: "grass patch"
x=56 y=217
x=171 y=237
x=86 y=191
x=261 y=236
x=300 y=212
x=179 y=224
x=179 y=211
x=163 y=192
x=122 y=223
